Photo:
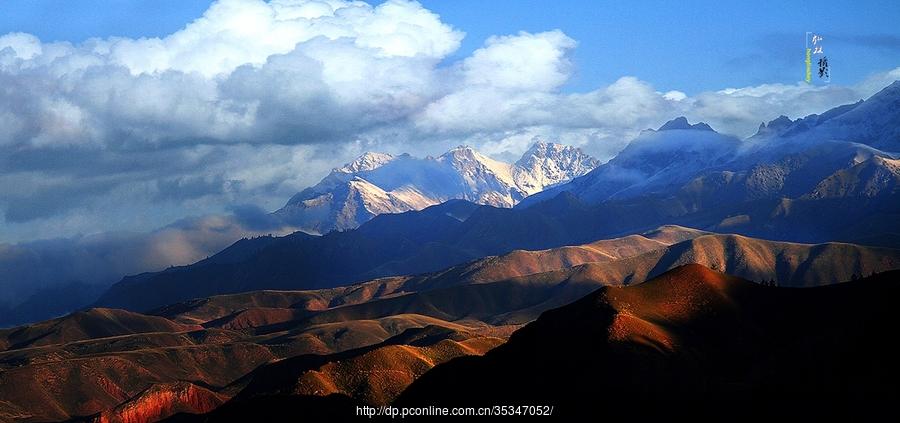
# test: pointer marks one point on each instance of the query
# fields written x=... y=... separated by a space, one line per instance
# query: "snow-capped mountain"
x=548 y=164
x=847 y=152
x=654 y=161
x=874 y=122
x=377 y=183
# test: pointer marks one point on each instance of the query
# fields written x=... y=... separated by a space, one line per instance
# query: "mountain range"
x=846 y=152
x=378 y=183
x=783 y=185
x=219 y=353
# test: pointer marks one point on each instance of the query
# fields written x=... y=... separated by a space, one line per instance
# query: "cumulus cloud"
x=22 y=45
x=288 y=71
x=499 y=64
x=233 y=33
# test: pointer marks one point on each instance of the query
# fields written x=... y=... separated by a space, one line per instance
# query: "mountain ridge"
x=378 y=183
x=631 y=258
x=781 y=190
x=786 y=154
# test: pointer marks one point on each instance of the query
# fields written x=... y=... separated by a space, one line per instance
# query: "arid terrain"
x=369 y=341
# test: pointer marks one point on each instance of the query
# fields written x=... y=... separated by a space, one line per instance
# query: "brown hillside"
x=691 y=342
x=89 y=324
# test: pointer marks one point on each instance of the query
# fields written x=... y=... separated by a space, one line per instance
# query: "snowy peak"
x=463 y=157
x=368 y=161
x=651 y=163
x=460 y=151
x=466 y=159
x=462 y=154
x=681 y=122
x=872 y=122
x=548 y=164
x=847 y=151
x=377 y=183
x=486 y=180
x=375 y=200
x=544 y=152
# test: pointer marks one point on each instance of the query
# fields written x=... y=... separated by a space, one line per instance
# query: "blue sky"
x=731 y=44
x=671 y=43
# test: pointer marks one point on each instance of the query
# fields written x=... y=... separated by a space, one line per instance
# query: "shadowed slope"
x=372 y=375
x=688 y=336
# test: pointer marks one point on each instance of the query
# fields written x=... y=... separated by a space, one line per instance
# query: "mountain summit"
x=378 y=183
x=552 y=164
x=681 y=122
x=368 y=161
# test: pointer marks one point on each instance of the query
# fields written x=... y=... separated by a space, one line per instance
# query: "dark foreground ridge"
x=691 y=340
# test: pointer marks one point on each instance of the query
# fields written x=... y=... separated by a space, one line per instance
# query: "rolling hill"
x=388 y=245
x=520 y=299
x=147 y=376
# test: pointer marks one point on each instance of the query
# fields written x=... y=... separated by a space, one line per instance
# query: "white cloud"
x=877 y=81
x=502 y=85
x=675 y=95
x=529 y=62
x=23 y=46
x=246 y=70
x=232 y=33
